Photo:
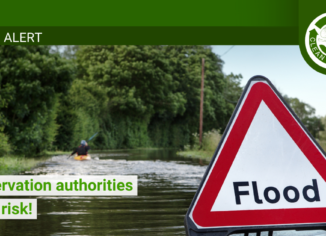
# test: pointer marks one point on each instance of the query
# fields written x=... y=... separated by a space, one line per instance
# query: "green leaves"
x=136 y=95
x=160 y=86
x=306 y=114
x=30 y=79
x=138 y=78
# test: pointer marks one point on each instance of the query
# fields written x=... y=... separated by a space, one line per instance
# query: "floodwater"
x=166 y=185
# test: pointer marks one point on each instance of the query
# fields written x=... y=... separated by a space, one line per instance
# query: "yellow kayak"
x=82 y=158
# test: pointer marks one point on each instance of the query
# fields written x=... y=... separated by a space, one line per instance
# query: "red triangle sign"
x=267 y=171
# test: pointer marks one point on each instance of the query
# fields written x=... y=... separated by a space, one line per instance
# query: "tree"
x=186 y=63
x=5 y=147
x=68 y=51
x=33 y=77
x=233 y=89
x=137 y=77
x=306 y=114
x=154 y=92
x=138 y=85
x=314 y=125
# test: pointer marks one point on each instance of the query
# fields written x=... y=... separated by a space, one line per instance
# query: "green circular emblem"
x=316 y=40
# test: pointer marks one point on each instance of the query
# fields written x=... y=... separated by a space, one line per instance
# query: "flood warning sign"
x=268 y=170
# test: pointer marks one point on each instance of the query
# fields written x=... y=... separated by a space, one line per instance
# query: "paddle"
x=88 y=140
x=92 y=136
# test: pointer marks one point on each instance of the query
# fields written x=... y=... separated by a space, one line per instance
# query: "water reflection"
x=166 y=186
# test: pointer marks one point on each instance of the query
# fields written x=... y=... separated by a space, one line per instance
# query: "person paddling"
x=82 y=150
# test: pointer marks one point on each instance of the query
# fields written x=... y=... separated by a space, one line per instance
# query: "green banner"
x=215 y=22
x=250 y=13
x=149 y=35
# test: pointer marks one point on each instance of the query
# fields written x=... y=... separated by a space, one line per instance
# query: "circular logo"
x=316 y=40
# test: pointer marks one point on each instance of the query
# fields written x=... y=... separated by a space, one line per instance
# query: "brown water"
x=166 y=185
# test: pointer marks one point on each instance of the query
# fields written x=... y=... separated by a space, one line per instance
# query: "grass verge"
x=322 y=143
x=204 y=151
x=205 y=155
x=54 y=153
x=13 y=165
x=210 y=142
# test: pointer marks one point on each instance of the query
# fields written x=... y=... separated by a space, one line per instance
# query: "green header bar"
x=149 y=35
x=252 y=22
x=250 y=13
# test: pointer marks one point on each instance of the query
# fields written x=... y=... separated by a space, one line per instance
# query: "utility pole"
x=201 y=102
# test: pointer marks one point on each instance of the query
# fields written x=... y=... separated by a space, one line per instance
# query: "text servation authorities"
x=76 y=185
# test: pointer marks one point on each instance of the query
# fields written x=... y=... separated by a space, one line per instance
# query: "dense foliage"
x=31 y=79
x=153 y=92
x=133 y=96
x=306 y=114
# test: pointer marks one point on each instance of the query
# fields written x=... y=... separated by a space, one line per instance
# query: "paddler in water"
x=82 y=150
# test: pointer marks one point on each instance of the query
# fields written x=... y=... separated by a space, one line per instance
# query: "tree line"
x=133 y=96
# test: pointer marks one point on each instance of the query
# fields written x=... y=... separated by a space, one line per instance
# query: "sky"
x=283 y=66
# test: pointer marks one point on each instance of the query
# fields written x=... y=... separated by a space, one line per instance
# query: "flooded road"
x=166 y=185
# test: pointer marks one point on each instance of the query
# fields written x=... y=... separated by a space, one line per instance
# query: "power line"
x=227 y=51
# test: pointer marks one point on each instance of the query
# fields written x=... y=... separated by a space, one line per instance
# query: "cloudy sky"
x=283 y=65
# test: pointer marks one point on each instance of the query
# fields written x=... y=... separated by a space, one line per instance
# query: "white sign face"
x=268 y=157
x=267 y=170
